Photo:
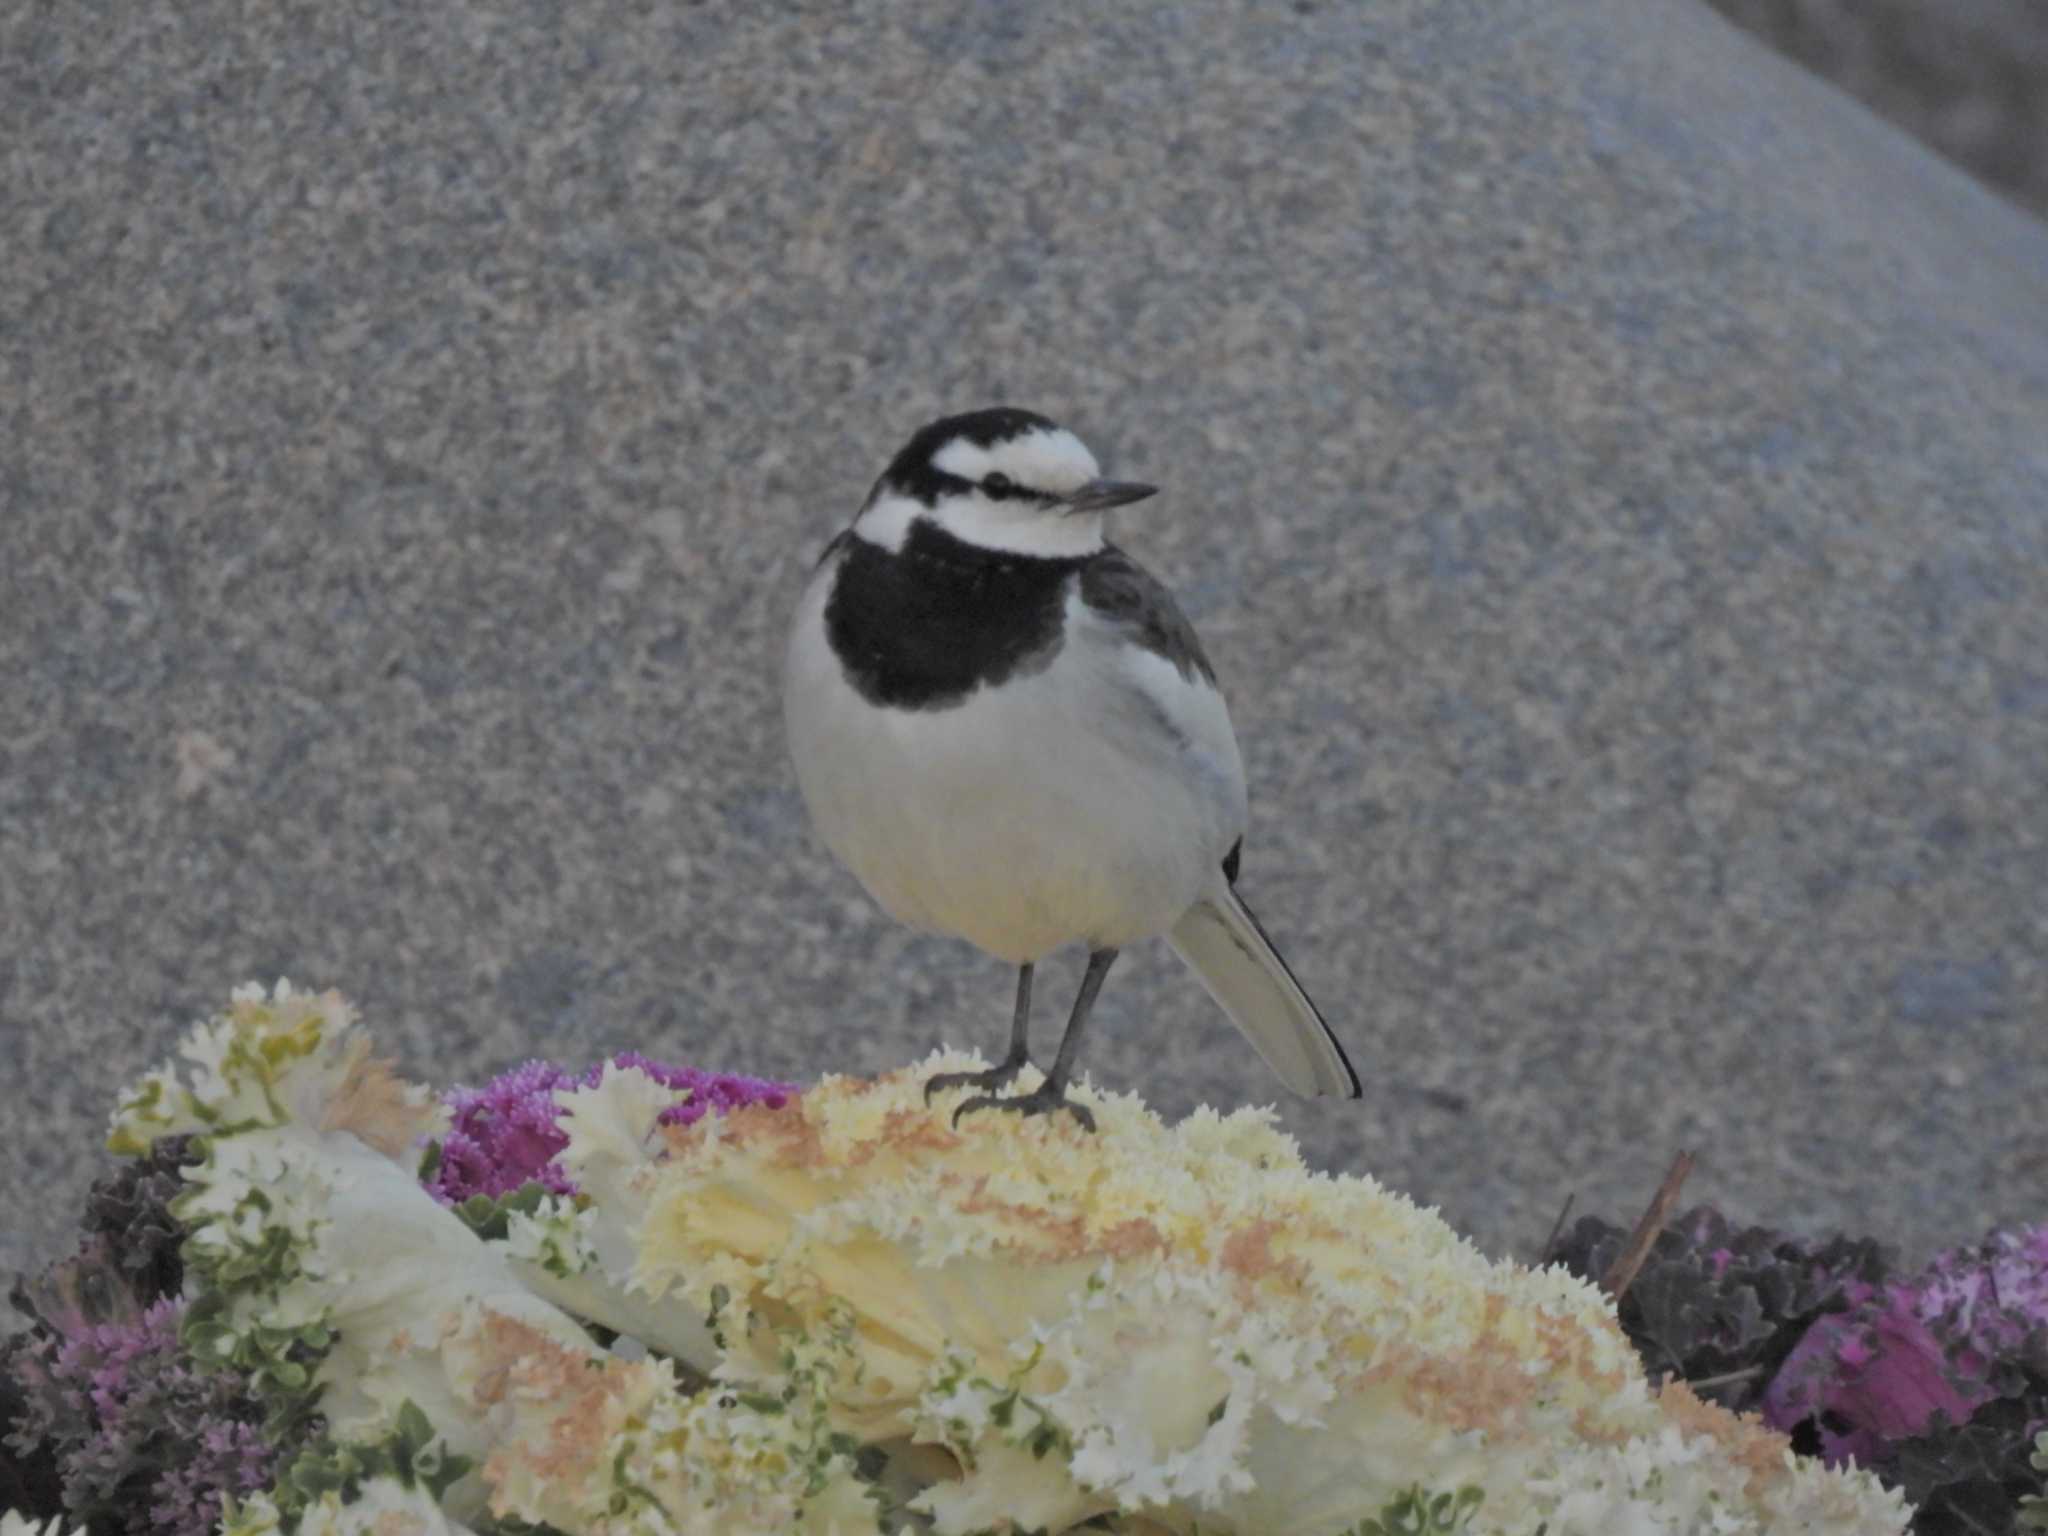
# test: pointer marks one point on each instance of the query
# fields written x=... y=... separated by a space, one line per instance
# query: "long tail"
x=1225 y=946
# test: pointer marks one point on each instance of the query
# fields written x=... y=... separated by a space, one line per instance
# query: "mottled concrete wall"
x=1607 y=466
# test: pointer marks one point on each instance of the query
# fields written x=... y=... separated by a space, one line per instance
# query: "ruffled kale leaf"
x=1968 y=1478
x=504 y=1136
x=142 y=1441
x=1722 y=1306
x=1936 y=1380
x=29 y=1480
x=104 y=1418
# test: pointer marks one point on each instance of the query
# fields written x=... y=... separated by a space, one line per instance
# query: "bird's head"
x=1000 y=479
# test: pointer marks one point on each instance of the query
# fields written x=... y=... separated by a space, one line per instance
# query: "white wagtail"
x=1003 y=725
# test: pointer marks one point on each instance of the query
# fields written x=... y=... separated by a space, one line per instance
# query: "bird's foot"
x=995 y=1077
x=1045 y=1099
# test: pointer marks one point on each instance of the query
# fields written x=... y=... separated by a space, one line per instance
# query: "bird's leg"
x=1052 y=1093
x=1000 y=1076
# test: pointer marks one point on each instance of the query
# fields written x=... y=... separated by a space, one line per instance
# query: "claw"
x=988 y=1082
x=1042 y=1100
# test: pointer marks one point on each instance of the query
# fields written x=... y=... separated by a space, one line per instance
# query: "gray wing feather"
x=1124 y=592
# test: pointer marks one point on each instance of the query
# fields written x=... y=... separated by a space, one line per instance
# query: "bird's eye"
x=997 y=485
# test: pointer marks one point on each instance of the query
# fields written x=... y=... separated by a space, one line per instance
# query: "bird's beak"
x=1101 y=495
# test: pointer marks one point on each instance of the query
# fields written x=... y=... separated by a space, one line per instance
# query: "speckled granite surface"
x=1609 y=469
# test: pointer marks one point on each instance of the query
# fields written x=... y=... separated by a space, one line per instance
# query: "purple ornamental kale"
x=1937 y=1382
x=1946 y=1342
x=145 y=1442
x=503 y=1135
x=1991 y=1300
x=127 y=1257
x=1722 y=1304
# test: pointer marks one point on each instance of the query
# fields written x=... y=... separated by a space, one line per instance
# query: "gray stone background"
x=1607 y=464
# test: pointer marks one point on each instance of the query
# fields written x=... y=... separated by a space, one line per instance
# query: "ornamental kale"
x=568 y=1323
x=29 y=1483
x=411 y=1455
x=1721 y=1307
x=144 y=1441
x=96 y=1409
x=504 y=1135
x=1969 y=1478
x=131 y=1208
x=128 y=1253
x=1991 y=1300
x=1937 y=1381
x=2034 y=1506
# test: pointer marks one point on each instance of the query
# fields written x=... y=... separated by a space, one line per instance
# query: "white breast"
x=1090 y=801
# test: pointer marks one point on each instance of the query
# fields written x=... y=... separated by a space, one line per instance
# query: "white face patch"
x=1054 y=461
x=887 y=520
x=1040 y=460
x=1018 y=526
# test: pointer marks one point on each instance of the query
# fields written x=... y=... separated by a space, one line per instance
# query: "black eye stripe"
x=927 y=483
x=912 y=473
x=998 y=486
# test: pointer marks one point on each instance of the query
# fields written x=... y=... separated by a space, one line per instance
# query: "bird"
x=1004 y=726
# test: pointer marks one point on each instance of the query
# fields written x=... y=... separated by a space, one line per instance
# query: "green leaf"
x=410 y=1452
x=1420 y=1512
